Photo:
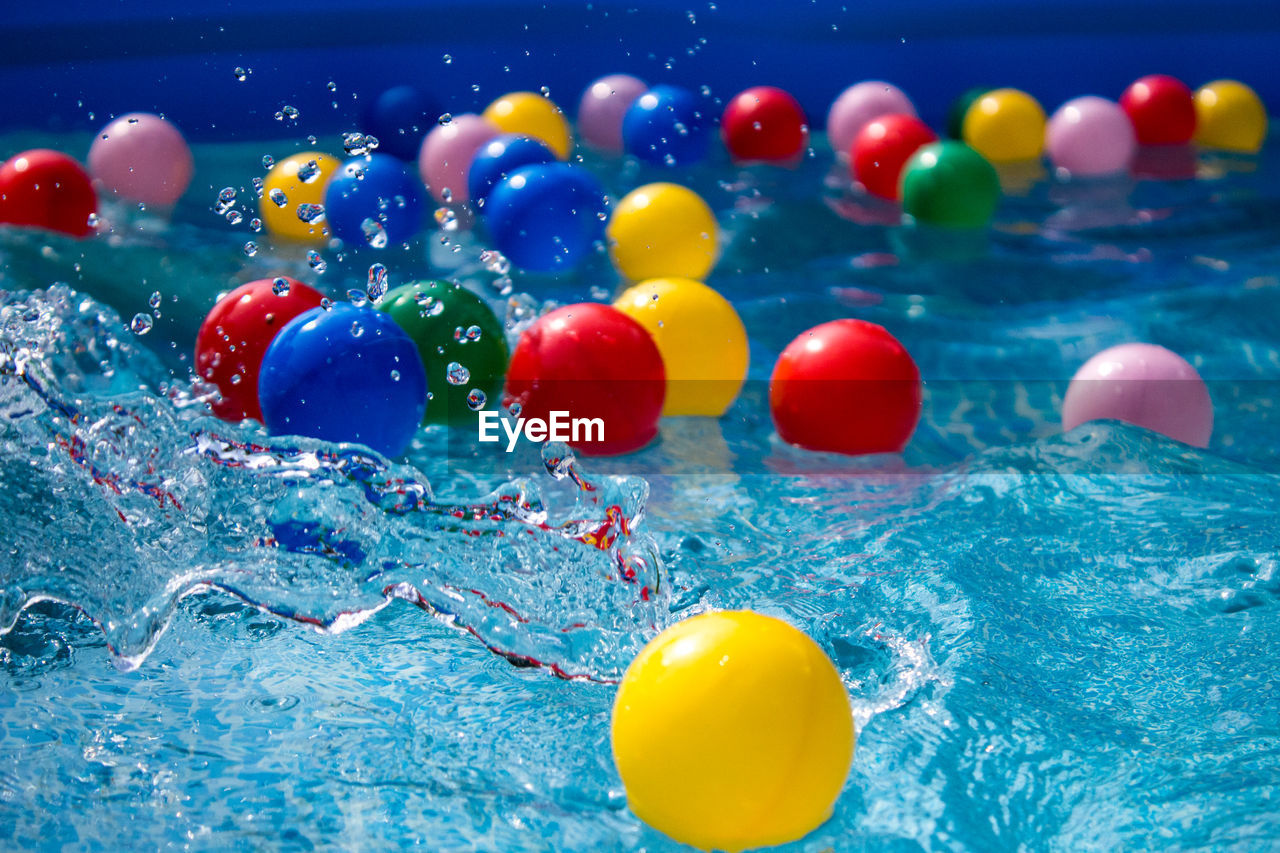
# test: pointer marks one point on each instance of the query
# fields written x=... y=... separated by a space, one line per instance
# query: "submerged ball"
x=399 y=118
x=447 y=154
x=142 y=157
x=881 y=151
x=859 y=104
x=732 y=730
x=1162 y=110
x=661 y=230
x=700 y=337
x=291 y=191
x=532 y=115
x=846 y=386
x=602 y=107
x=1090 y=136
x=344 y=374
x=547 y=217
x=1230 y=116
x=764 y=124
x=590 y=361
x=1144 y=385
x=497 y=158
x=950 y=185
x=47 y=189
x=665 y=127
x=374 y=201
x=235 y=335
x=1005 y=126
x=461 y=343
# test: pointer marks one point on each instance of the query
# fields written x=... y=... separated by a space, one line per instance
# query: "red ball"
x=882 y=148
x=234 y=337
x=1162 y=109
x=590 y=361
x=764 y=124
x=47 y=189
x=846 y=386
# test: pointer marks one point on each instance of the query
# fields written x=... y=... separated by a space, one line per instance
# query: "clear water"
x=1051 y=641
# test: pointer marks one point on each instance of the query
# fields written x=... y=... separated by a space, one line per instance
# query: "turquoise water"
x=1050 y=641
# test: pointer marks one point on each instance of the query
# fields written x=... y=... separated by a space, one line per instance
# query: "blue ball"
x=499 y=157
x=377 y=188
x=401 y=117
x=546 y=217
x=344 y=374
x=665 y=127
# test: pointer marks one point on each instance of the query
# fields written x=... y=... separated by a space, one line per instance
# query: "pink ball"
x=1090 y=136
x=1144 y=385
x=859 y=104
x=142 y=157
x=602 y=107
x=447 y=153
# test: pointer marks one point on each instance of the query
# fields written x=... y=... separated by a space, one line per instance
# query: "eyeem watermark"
x=560 y=427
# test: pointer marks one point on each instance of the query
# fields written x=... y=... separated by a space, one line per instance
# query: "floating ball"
x=451 y=326
x=700 y=337
x=400 y=118
x=344 y=374
x=732 y=730
x=662 y=230
x=47 y=189
x=591 y=361
x=1005 y=126
x=500 y=156
x=602 y=107
x=665 y=127
x=546 y=218
x=235 y=335
x=959 y=109
x=1144 y=385
x=1090 y=136
x=142 y=157
x=859 y=104
x=764 y=124
x=883 y=147
x=374 y=201
x=447 y=153
x=532 y=115
x=1162 y=109
x=1230 y=116
x=951 y=185
x=846 y=386
x=293 y=186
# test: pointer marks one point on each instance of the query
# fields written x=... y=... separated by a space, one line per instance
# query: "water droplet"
x=474 y=333
x=310 y=213
x=515 y=409
x=280 y=286
x=455 y=373
x=495 y=262
x=290 y=113
x=356 y=329
x=309 y=171
x=326 y=303
x=315 y=261
x=355 y=143
x=251 y=248
x=241 y=74
x=142 y=323
x=375 y=233
x=446 y=219
x=377 y=285
x=255 y=224
x=93 y=220
x=476 y=399
x=234 y=217
x=235 y=379
x=445 y=118
x=333 y=87
x=448 y=60
x=277 y=196
x=395 y=376
x=268 y=161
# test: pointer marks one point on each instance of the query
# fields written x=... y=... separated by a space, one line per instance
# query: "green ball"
x=959 y=107
x=442 y=318
x=950 y=184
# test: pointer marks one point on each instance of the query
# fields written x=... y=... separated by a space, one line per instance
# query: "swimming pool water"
x=1050 y=641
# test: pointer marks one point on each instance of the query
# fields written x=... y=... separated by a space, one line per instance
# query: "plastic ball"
x=235 y=335
x=546 y=217
x=665 y=127
x=1005 y=126
x=883 y=147
x=951 y=185
x=590 y=361
x=732 y=730
x=373 y=200
x=344 y=374
x=1162 y=109
x=602 y=107
x=532 y=115
x=142 y=157
x=47 y=189
x=1090 y=136
x=764 y=124
x=959 y=109
x=292 y=183
x=451 y=325
x=663 y=230
x=1144 y=385
x=700 y=337
x=500 y=156
x=846 y=386
x=859 y=104
x=447 y=153
x=399 y=118
x=1230 y=116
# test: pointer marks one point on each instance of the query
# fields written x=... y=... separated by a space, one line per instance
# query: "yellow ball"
x=532 y=115
x=1005 y=125
x=732 y=730
x=1230 y=115
x=282 y=219
x=663 y=230
x=700 y=337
